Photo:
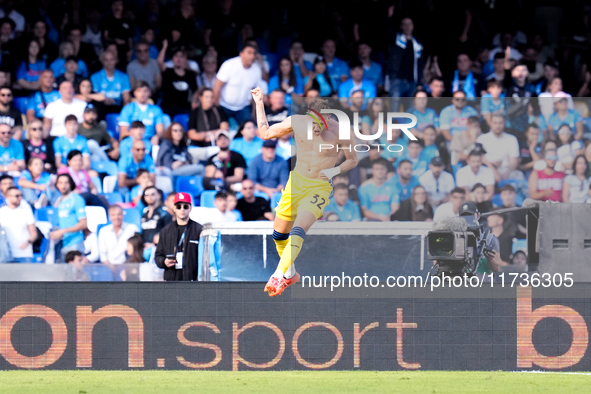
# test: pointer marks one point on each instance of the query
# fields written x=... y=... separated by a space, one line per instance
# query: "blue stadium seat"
x=98 y=228
x=113 y=125
x=166 y=120
x=519 y=244
x=497 y=202
x=207 y=198
x=98 y=183
x=133 y=216
x=183 y=119
x=113 y=197
x=40 y=257
x=47 y=214
x=98 y=273
x=21 y=104
x=273 y=61
x=275 y=200
x=189 y=184
x=107 y=167
x=258 y=193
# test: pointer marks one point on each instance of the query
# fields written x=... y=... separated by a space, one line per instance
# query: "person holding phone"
x=177 y=249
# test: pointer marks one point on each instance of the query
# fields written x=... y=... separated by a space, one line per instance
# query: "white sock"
x=277 y=274
x=290 y=273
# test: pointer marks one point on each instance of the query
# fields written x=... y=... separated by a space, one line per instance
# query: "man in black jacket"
x=178 y=246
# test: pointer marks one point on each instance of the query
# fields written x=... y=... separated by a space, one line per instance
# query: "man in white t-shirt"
x=502 y=149
x=437 y=182
x=16 y=219
x=451 y=208
x=475 y=172
x=56 y=112
x=214 y=215
x=234 y=81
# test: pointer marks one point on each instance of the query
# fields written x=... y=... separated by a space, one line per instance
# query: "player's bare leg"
x=286 y=272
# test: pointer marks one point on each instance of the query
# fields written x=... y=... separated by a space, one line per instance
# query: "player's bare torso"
x=310 y=158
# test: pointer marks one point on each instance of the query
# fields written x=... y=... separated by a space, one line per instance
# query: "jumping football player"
x=307 y=192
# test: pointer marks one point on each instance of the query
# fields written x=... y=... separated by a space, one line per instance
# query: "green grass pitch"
x=177 y=382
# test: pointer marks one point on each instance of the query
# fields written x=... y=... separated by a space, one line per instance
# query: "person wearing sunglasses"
x=18 y=222
x=178 y=245
x=130 y=164
x=38 y=147
x=12 y=154
x=546 y=184
x=454 y=117
x=8 y=113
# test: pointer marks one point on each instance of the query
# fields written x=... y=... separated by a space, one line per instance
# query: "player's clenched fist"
x=257 y=95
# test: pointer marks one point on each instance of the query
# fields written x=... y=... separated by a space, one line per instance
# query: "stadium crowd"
x=116 y=106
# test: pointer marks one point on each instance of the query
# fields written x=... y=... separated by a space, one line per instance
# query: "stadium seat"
x=164 y=183
x=207 y=198
x=109 y=183
x=275 y=200
x=190 y=184
x=106 y=167
x=94 y=217
x=113 y=125
x=47 y=214
x=497 y=202
x=113 y=197
x=273 y=61
x=98 y=273
x=155 y=150
x=45 y=228
x=21 y=104
x=166 y=120
x=97 y=183
x=183 y=119
x=133 y=216
x=258 y=193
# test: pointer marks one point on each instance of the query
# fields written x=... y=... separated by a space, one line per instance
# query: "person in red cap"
x=177 y=249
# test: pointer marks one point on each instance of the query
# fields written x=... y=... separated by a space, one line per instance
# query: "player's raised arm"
x=267 y=132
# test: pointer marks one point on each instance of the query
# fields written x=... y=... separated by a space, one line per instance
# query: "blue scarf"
x=469 y=85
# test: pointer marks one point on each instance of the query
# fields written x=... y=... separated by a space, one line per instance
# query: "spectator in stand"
x=546 y=184
x=97 y=137
x=366 y=164
x=112 y=238
x=6 y=182
x=493 y=102
x=404 y=180
x=30 y=69
x=210 y=67
x=8 y=113
x=465 y=80
x=564 y=116
x=506 y=39
x=70 y=73
x=436 y=90
x=34 y=182
x=505 y=231
x=37 y=147
x=319 y=79
x=372 y=71
x=356 y=83
x=59 y=65
x=135 y=250
x=502 y=150
x=174 y=158
x=9 y=45
x=246 y=142
x=12 y=154
x=339 y=204
x=498 y=68
x=479 y=196
x=231 y=203
x=371 y=121
x=217 y=214
x=82 y=180
x=286 y=80
x=143 y=182
x=568 y=148
x=414 y=155
x=48 y=51
x=43 y=97
x=252 y=207
x=226 y=167
x=129 y=164
x=337 y=68
x=143 y=68
x=530 y=149
x=179 y=86
x=454 y=118
x=284 y=147
x=475 y=172
x=137 y=132
x=277 y=112
x=97 y=100
x=154 y=216
x=379 y=199
x=296 y=55
x=114 y=84
x=72 y=217
x=425 y=116
x=416 y=208
x=546 y=99
x=234 y=81
x=116 y=28
x=56 y=112
x=394 y=153
x=204 y=122
x=82 y=50
x=576 y=186
x=508 y=196
x=18 y=223
x=269 y=171
x=140 y=109
x=430 y=149
x=463 y=142
x=451 y=208
x=437 y=182
x=405 y=61
x=69 y=142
